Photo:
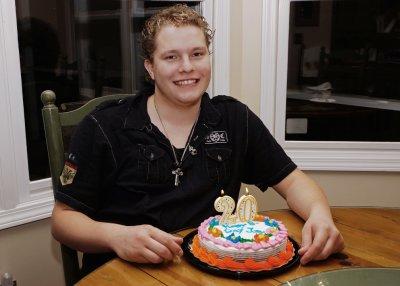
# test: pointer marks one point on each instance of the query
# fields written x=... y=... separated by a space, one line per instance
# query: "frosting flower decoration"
x=258 y=237
x=259 y=217
x=271 y=223
x=214 y=222
x=215 y=232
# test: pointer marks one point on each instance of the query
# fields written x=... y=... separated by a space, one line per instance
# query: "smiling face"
x=180 y=66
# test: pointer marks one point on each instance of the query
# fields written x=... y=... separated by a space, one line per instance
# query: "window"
x=81 y=49
x=334 y=70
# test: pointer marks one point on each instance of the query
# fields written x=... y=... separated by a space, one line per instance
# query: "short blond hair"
x=177 y=15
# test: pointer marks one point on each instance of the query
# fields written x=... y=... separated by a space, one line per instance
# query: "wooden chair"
x=54 y=121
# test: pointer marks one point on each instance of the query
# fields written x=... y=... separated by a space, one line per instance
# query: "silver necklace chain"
x=178 y=172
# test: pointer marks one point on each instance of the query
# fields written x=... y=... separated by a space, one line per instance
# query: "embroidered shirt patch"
x=216 y=137
x=68 y=173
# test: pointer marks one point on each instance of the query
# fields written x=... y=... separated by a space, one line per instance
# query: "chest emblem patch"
x=68 y=173
x=216 y=137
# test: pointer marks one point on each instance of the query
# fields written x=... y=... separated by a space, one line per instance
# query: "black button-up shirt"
x=124 y=163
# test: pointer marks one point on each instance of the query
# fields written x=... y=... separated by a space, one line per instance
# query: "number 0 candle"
x=246 y=207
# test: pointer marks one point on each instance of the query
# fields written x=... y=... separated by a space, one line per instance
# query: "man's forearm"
x=320 y=237
x=303 y=195
x=139 y=243
x=80 y=232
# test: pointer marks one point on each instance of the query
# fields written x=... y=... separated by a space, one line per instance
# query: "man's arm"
x=141 y=243
x=320 y=237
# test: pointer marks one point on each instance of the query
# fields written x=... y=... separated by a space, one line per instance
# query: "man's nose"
x=186 y=64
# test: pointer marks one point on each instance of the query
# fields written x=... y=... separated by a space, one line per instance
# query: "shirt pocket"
x=152 y=164
x=218 y=163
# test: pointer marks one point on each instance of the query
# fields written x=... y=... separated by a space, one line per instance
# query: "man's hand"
x=320 y=238
x=145 y=244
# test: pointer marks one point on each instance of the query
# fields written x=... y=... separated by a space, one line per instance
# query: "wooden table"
x=372 y=238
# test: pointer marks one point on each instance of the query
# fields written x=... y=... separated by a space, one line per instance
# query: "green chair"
x=54 y=121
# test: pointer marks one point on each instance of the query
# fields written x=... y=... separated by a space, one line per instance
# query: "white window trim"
x=221 y=52
x=320 y=155
x=22 y=201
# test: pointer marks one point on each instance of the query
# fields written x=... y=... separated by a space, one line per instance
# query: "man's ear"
x=149 y=67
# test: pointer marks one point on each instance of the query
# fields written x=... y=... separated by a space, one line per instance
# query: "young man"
x=155 y=163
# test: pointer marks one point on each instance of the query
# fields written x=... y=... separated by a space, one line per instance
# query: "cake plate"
x=186 y=246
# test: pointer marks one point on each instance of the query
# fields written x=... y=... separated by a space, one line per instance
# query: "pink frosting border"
x=279 y=237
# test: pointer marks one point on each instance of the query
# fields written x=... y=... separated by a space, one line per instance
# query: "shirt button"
x=219 y=158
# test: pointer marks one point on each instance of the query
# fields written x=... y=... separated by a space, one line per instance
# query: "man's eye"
x=197 y=54
x=171 y=57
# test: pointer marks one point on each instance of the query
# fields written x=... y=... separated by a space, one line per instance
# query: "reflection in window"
x=81 y=49
x=343 y=71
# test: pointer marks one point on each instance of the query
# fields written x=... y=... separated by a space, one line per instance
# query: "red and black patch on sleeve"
x=68 y=173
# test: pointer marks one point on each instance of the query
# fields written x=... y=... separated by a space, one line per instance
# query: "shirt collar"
x=138 y=118
x=208 y=113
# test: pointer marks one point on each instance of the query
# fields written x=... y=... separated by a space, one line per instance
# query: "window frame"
x=22 y=200
x=309 y=155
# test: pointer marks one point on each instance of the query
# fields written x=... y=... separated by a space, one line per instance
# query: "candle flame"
x=222 y=192
x=247 y=191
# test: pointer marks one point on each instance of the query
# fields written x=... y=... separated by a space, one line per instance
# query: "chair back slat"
x=72 y=118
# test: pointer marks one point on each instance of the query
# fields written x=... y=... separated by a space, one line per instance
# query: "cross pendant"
x=177 y=172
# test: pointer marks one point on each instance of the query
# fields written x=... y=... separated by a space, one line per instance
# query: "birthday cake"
x=245 y=241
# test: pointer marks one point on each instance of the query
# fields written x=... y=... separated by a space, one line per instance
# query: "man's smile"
x=186 y=82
